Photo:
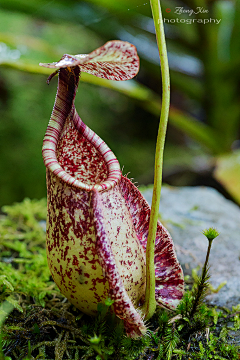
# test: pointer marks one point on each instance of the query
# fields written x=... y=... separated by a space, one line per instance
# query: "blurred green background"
x=202 y=146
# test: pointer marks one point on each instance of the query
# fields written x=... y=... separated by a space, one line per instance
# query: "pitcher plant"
x=98 y=221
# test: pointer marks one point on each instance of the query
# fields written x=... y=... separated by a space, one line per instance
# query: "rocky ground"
x=186 y=212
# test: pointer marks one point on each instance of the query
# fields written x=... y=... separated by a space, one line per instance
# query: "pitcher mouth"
x=115 y=60
x=51 y=162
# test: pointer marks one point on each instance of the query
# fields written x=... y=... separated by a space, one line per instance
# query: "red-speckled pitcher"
x=97 y=223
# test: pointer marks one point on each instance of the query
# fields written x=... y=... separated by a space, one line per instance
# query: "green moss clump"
x=25 y=275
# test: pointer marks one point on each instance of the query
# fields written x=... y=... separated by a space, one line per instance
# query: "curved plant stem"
x=150 y=302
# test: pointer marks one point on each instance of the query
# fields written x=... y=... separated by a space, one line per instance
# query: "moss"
x=37 y=322
x=26 y=277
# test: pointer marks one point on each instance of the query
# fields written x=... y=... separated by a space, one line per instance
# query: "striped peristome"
x=97 y=223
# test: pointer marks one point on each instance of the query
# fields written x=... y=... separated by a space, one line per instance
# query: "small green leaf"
x=3 y=280
x=220 y=286
x=236 y=308
x=210 y=233
x=109 y=302
x=5 y=309
x=41 y=297
x=214 y=313
x=14 y=303
x=95 y=339
x=36 y=329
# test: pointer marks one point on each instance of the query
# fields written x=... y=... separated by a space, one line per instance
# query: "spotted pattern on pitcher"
x=169 y=277
x=74 y=253
x=97 y=221
x=71 y=249
x=75 y=159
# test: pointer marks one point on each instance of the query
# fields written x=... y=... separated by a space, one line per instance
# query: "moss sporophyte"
x=98 y=221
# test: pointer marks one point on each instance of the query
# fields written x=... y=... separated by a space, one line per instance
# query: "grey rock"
x=186 y=212
x=234 y=337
